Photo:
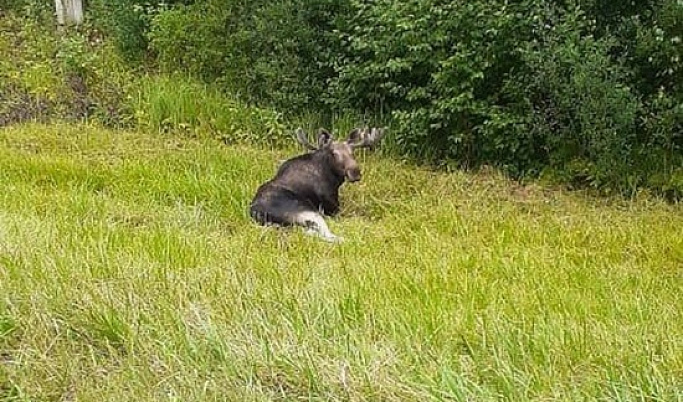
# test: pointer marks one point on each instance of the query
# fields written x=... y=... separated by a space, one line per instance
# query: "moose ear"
x=324 y=138
x=354 y=136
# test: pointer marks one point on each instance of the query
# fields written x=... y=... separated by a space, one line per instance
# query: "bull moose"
x=306 y=187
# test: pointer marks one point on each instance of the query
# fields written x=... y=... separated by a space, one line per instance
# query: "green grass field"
x=130 y=271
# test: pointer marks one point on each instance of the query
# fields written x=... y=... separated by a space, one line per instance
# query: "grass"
x=181 y=104
x=129 y=270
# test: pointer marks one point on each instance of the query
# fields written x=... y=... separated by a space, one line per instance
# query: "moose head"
x=342 y=158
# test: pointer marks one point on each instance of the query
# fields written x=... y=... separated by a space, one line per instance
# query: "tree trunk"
x=69 y=12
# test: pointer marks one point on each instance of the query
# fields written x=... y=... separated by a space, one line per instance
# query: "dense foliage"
x=525 y=85
x=590 y=91
x=280 y=52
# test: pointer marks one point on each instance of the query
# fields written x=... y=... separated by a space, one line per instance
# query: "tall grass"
x=129 y=270
x=178 y=103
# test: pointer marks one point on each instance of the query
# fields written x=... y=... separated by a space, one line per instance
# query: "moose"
x=306 y=187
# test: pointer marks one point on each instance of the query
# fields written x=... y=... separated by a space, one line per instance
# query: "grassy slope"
x=129 y=270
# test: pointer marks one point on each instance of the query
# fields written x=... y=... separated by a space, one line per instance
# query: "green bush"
x=127 y=22
x=190 y=39
x=529 y=86
x=271 y=53
x=437 y=68
x=43 y=11
x=573 y=101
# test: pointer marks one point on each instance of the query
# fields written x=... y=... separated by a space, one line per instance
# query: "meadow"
x=131 y=271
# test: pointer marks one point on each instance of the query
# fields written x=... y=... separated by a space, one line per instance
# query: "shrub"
x=127 y=23
x=439 y=69
x=34 y=10
x=572 y=98
x=270 y=53
x=529 y=86
x=190 y=39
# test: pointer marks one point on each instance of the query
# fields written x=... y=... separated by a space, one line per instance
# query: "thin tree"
x=69 y=12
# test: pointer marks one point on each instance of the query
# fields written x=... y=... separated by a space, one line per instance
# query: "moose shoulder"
x=307 y=186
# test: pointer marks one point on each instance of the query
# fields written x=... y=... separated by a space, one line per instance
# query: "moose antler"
x=368 y=138
x=303 y=140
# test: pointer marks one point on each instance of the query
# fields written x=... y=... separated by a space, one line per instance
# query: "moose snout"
x=353 y=175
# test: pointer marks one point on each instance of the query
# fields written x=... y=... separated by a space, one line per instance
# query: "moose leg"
x=330 y=206
x=315 y=224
